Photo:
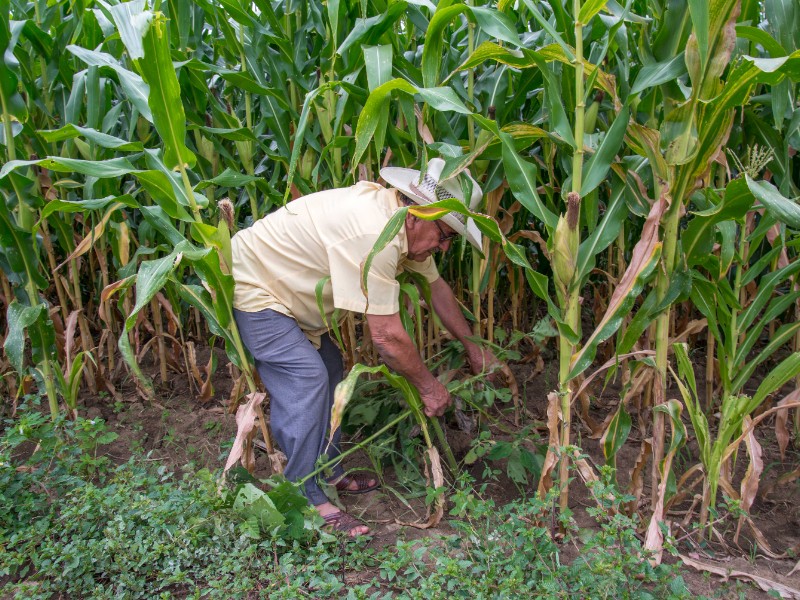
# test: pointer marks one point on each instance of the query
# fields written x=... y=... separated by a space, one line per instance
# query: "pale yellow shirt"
x=278 y=262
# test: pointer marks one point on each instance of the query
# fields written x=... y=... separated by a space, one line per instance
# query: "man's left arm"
x=449 y=312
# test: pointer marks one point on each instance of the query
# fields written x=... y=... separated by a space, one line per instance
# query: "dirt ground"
x=180 y=432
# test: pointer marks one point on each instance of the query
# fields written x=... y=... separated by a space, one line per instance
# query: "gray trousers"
x=300 y=380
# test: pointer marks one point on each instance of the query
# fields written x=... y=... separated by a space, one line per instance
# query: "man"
x=315 y=246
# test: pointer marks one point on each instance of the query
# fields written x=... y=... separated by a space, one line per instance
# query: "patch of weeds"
x=508 y=552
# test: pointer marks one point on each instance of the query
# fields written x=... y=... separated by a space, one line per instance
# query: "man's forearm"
x=398 y=351
x=449 y=312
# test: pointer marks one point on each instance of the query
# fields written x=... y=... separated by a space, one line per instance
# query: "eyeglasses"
x=444 y=237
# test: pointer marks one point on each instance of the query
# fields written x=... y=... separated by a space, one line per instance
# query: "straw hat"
x=429 y=189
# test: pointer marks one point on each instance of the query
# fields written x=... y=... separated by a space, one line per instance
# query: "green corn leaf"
x=434 y=41
x=207 y=266
x=12 y=102
x=590 y=9
x=158 y=219
x=80 y=206
x=616 y=434
x=165 y=95
x=113 y=167
x=545 y=24
x=392 y=228
x=158 y=185
x=378 y=63
x=19 y=318
x=698 y=238
x=136 y=90
x=782 y=336
x=600 y=162
x=104 y=140
x=776 y=308
x=557 y=116
x=370 y=115
x=240 y=134
x=788 y=369
x=692 y=402
x=302 y=124
x=521 y=176
x=371 y=29
x=198 y=296
x=604 y=234
x=496 y=24
x=656 y=74
x=154 y=162
x=759 y=36
x=333 y=19
x=766 y=288
x=228 y=178
x=673 y=409
x=218 y=237
x=443 y=99
x=132 y=21
x=20 y=253
x=787 y=211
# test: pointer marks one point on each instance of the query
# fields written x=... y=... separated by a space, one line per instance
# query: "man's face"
x=426 y=237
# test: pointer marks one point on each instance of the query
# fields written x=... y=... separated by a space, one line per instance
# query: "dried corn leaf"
x=69 y=335
x=691 y=328
x=644 y=259
x=749 y=486
x=762 y=542
x=765 y=584
x=608 y=364
x=245 y=429
x=782 y=421
x=654 y=539
x=97 y=232
x=550 y=459
x=636 y=485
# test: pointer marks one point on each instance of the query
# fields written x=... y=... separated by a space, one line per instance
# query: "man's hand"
x=483 y=360
x=436 y=399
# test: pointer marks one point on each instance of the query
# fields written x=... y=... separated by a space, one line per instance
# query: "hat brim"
x=401 y=178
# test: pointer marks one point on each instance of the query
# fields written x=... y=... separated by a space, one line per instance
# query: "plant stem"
x=404 y=415
x=571 y=306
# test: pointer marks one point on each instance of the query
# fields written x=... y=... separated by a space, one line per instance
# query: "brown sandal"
x=342 y=522
x=362 y=483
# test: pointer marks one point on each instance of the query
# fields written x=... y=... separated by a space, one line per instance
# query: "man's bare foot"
x=341 y=521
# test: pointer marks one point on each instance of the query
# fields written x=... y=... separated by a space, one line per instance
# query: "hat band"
x=433 y=192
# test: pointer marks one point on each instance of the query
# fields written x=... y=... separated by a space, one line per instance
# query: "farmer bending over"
x=277 y=265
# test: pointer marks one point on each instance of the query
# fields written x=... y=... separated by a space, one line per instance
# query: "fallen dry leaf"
x=765 y=584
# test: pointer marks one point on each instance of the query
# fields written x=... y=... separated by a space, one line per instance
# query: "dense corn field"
x=637 y=158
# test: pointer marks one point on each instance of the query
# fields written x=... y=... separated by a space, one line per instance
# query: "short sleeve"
x=426 y=268
x=345 y=260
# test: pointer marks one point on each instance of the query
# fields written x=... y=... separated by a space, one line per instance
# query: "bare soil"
x=182 y=433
